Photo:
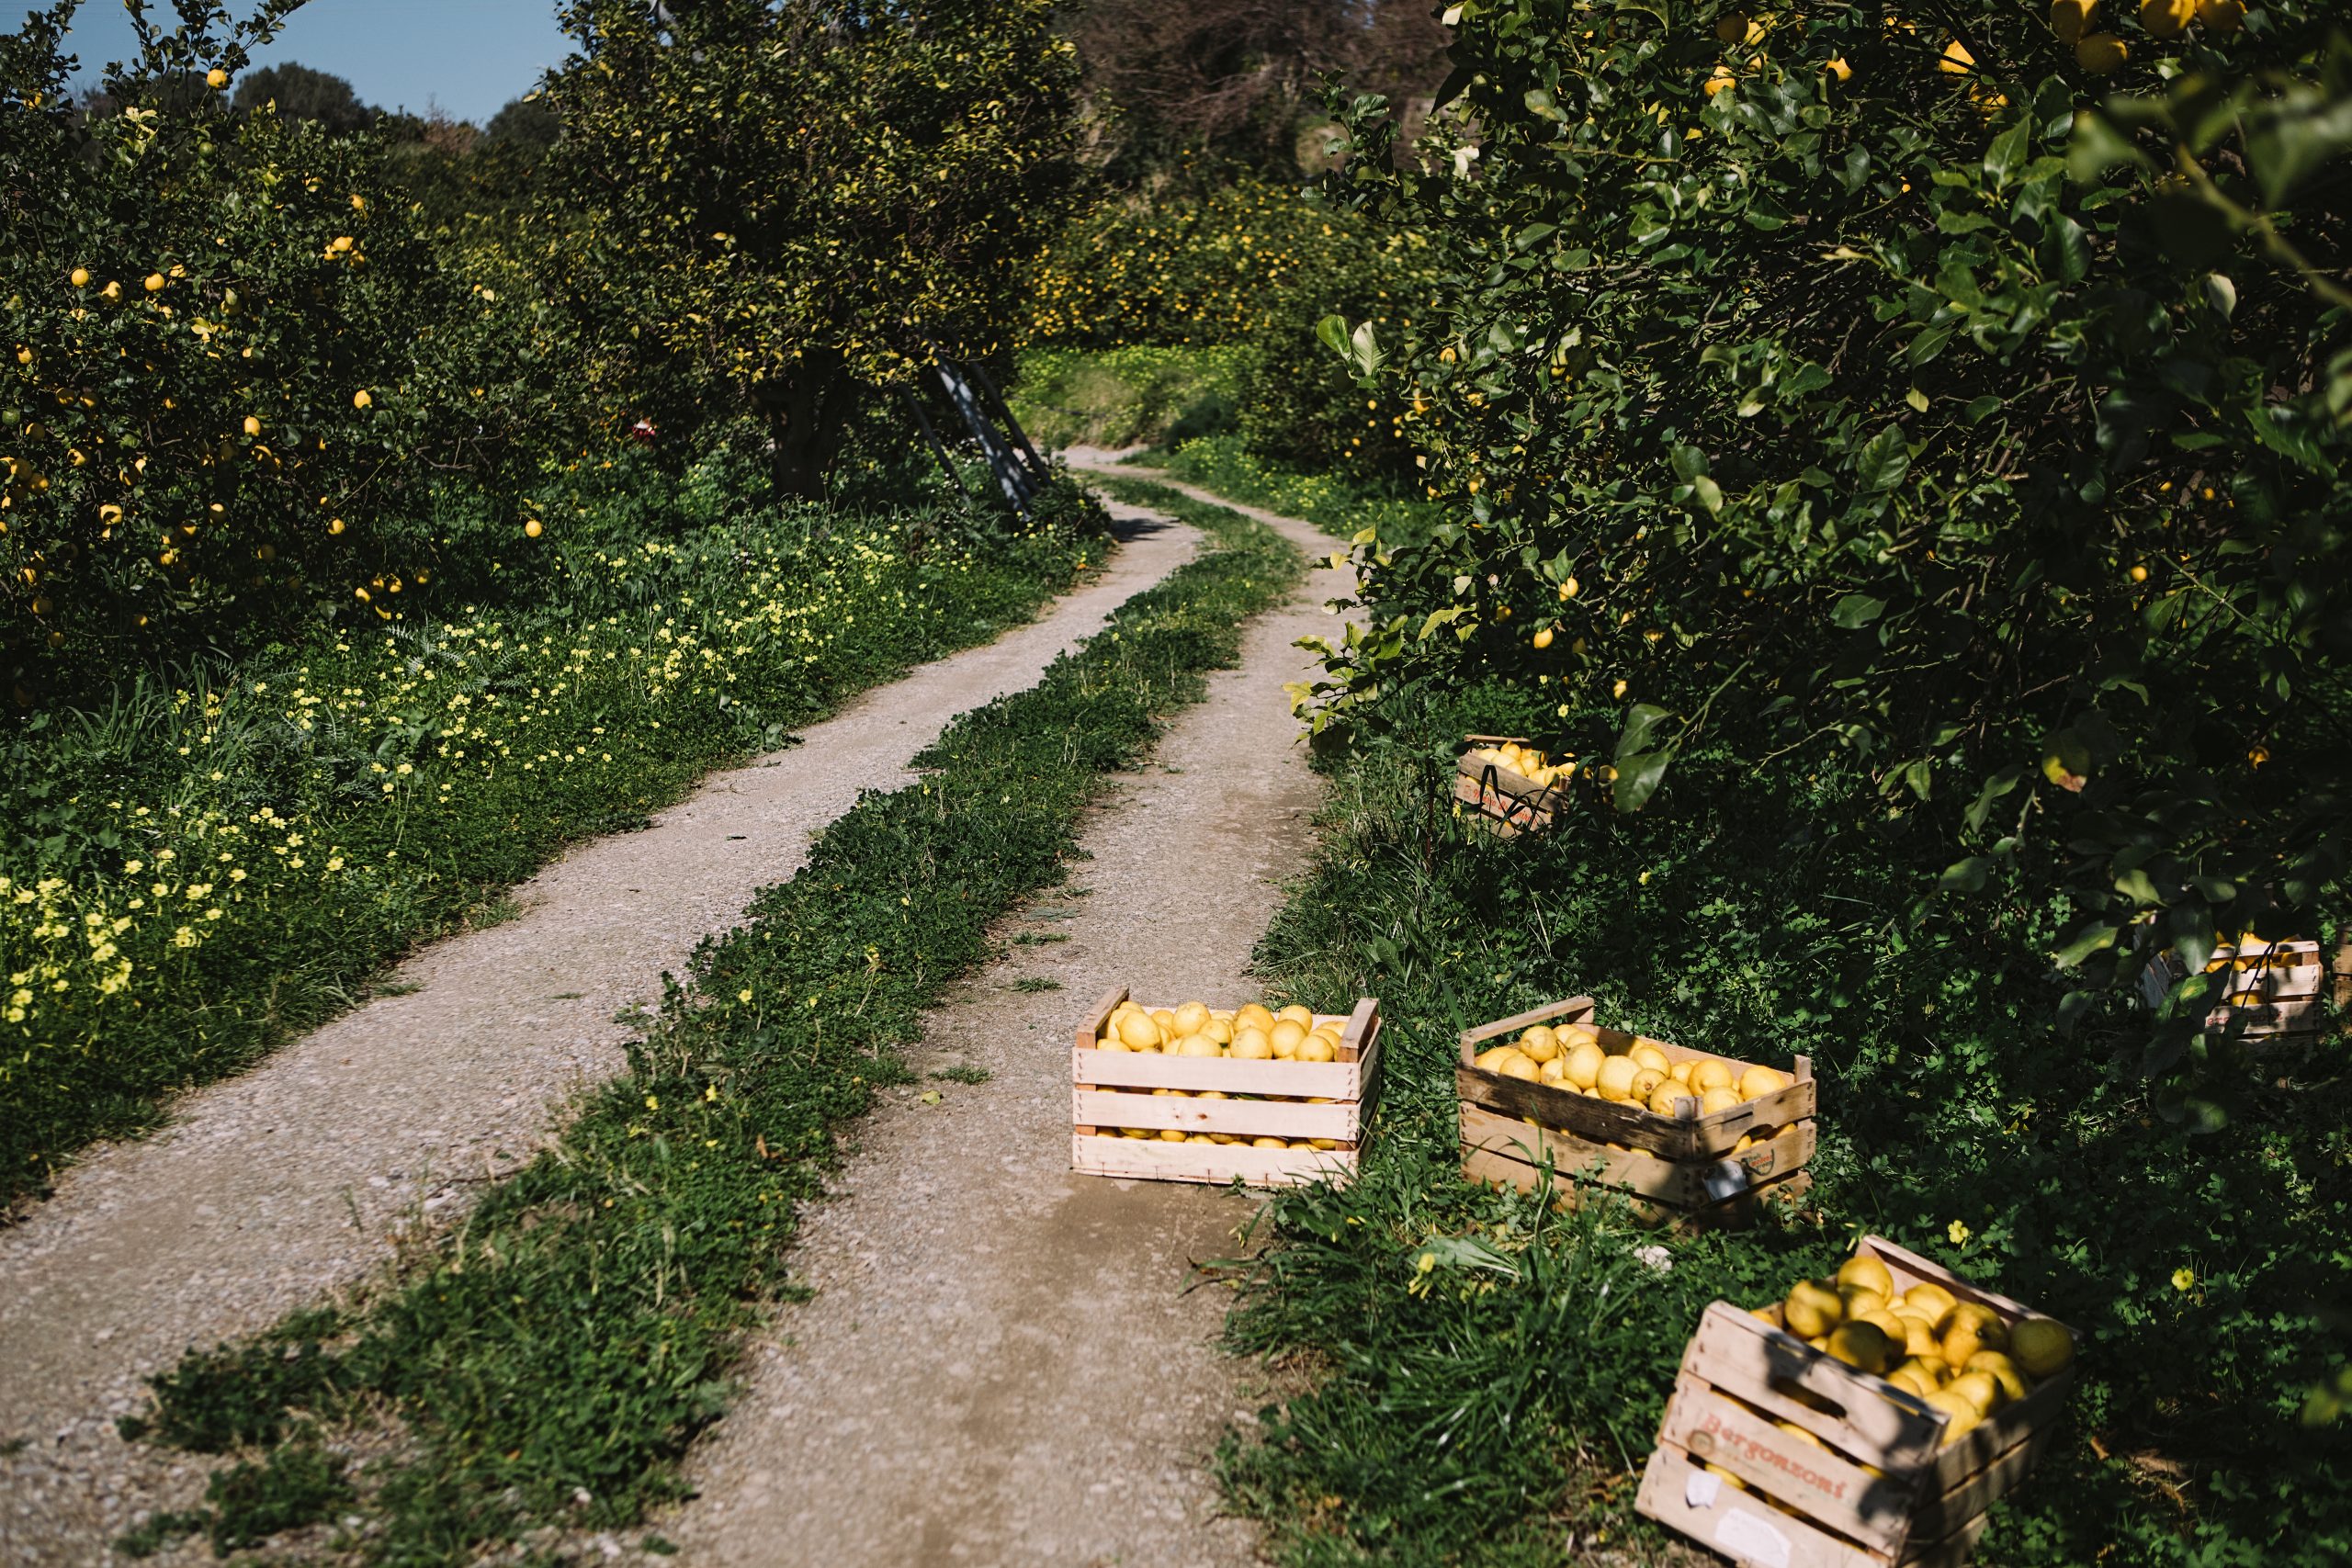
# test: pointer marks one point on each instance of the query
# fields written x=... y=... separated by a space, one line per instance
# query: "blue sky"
x=468 y=56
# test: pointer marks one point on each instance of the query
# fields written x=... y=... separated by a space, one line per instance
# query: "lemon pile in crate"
x=1197 y=1092
x=1689 y=1135
x=1863 y=1421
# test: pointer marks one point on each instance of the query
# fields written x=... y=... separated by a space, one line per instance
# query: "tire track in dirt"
x=272 y=1190
x=1001 y=1364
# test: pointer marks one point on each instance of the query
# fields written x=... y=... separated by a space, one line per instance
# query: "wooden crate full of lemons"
x=1513 y=787
x=1685 y=1133
x=1200 y=1093
x=1865 y=1421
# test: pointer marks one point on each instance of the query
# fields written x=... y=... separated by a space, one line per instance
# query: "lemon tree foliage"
x=1835 y=378
x=779 y=206
x=234 y=370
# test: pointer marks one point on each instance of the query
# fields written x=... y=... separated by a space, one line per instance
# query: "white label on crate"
x=1725 y=1179
x=1700 y=1488
x=1750 y=1540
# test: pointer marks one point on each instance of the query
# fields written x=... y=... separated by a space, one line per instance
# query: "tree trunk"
x=805 y=412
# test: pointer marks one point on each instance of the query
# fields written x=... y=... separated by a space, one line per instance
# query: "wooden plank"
x=1490 y=1165
x=1826 y=1486
x=1741 y=1525
x=1275 y=1078
x=1682 y=1184
x=1219 y=1164
x=1242 y=1118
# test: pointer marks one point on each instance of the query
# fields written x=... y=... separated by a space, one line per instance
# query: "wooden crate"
x=1824 y=1507
x=1113 y=1089
x=2270 y=989
x=1508 y=803
x=1690 y=1169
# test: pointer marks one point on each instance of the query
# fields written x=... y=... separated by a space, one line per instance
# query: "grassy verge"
x=1329 y=500
x=1120 y=397
x=217 y=861
x=545 y=1365
x=1487 y=1377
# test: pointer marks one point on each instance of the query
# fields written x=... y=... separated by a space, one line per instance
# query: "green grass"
x=547 y=1363
x=1476 y=1408
x=209 y=863
x=1332 y=502
x=1124 y=397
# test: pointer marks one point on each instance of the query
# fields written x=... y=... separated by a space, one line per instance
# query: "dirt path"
x=1000 y=1365
x=275 y=1188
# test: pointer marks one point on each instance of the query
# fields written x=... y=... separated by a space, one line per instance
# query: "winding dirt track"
x=1001 y=1364
x=273 y=1189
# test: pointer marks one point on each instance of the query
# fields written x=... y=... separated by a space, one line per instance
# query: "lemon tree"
x=775 y=207
x=230 y=377
x=1837 y=378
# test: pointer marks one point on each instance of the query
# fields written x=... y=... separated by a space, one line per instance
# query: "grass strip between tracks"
x=542 y=1367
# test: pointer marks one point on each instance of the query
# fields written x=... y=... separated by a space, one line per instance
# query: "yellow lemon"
x=1301 y=1016
x=1254 y=1014
x=1862 y=1345
x=1286 y=1033
x=1615 y=1081
x=1171 y=1134
x=1980 y=1389
x=2040 y=1345
x=1191 y=1017
x=1799 y=1434
x=1218 y=1029
x=1920 y=1337
x=1492 y=1058
x=1140 y=1033
x=1957 y=60
x=1757 y=1082
x=1913 y=1376
x=2221 y=16
x=2001 y=1370
x=1839 y=69
x=1680 y=1072
x=1931 y=1299
x=1110 y=1043
x=216 y=78
x=2101 y=54
x=1166 y=1018
x=1197 y=1045
x=1520 y=1066
x=1555 y=1071
x=1539 y=1045
x=1965 y=1334
x=1268 y=1143
x=2166 y=18
x=1572 y=1035
x=1961 y=1415
x=2071 y=19
x=1717 y=1098
x=1318 y=1048
x=1644 y=1084
x=1584 y=1062
x=1669 y=1097
x=1646 y=1054
x=1865 y=1269
x=1720 y=79
x=1812 y=1309
x=79 y=277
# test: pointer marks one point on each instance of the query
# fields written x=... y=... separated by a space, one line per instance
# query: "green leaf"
x=1880 y=465
x=2096 y=937
x=2096 y=146
x=1638 y=777
x=1640 y=723
x=1964 y=875
x=1855 y=610
x=1332 y=332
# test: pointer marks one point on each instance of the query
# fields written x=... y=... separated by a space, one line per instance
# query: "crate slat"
x=1150 y=1160
x=1687 y=1186
x=1243 y=1118
x=1512 y=804
x=1677 y=1493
